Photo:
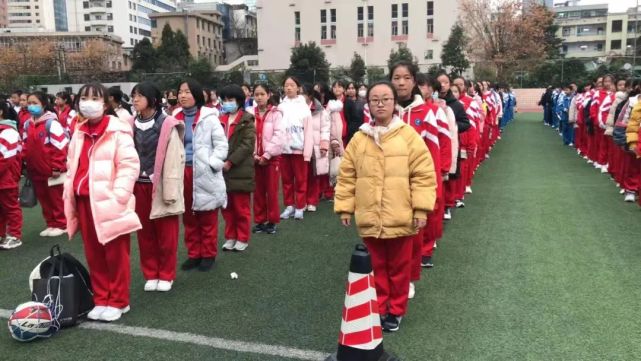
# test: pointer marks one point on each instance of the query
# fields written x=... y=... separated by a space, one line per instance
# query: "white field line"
x=213 y=342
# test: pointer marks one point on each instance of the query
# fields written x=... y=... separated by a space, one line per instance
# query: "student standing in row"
x=64 y=109
x=159 y=188
x=45 y=155
x=269 y=147
x=238 y=168
x=99 y=200
x=316 y=147
x=10 y=172
x=205 y=154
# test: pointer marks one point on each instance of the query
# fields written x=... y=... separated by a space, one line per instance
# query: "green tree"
x=201 y=69
x=144 y=57
x=402 y=54
x=173 y=52
x=453 y=54
x=357 y=68
x=375 y=73
x=433 y=71
x=339 y=73
x=308 y=63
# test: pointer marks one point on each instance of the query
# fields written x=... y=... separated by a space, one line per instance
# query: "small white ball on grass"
x=234 y=275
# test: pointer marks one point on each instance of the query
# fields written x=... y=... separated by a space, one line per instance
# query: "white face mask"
x=362 y=93
x=92 y=109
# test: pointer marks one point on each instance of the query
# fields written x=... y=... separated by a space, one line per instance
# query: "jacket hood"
x=621 y=95
x=298 y=100
x=207 y=112
x=377 y=132
x=318 y=107
x=417 y=102
x=118 y=125
x=335 y=106
x=10 y=123
x=449 y=98
x=46 y=116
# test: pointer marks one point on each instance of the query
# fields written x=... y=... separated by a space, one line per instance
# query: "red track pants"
x=50 y=199
x=313 y=188
x=237 y=216
x=604 y=148
x=157 y=240
x=10 y=213
x=108 y=264
x=450 y=193
x=266 y=193
x=201 y=227
x=391 y=261
x=631 y=172
x=294 y=176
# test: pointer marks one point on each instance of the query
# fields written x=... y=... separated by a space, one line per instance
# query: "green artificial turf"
x=542 y=264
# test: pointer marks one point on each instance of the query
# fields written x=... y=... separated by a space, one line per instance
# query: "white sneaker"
x=287 y=213
x=604 y=169
x=240 y=246
x=629 y=197
x=10 y=242
x=56 y=232
x=468 y=190
x=597 y=165
x=311 y=208
x=299 y=214
x=46 y=232
x=588 y=159
x=111 y=314
x=151 y=285
x=460 y=204
x=229 y=245
x=447 y=215
x=164 y=286
x=412 y=292
x=96 y=312
x=622 y=191
x=571 y=145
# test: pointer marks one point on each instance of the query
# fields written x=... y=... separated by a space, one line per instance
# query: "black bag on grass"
x=63 y=283
x=28 y=195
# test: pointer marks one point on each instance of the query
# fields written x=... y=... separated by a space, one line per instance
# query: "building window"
x=599 y=47
x=615 y=45
x=86 y=17
x=360 y=30
x=403 y=20
x=323 y=16
x=394 y=28
x=430 y=26
x=323 y=32
x=370 y=21
x=297 y=26
x=331 y=24
x=429 y=54
x=567 y=30
x=360 y=16
x=394 y=11
x=87 y=28
x=198 y=39
x=617 y=26
x=565 y=49
x=406 y=27
x=430 y=8
x=110 y=29
x=360 y=26
x=405 y=10
x=85 y=4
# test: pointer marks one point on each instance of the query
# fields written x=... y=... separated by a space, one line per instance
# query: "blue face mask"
x=435 y=95
x=230 y=107
x=35 y=110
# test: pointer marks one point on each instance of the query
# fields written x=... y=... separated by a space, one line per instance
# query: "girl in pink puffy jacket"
x=102 y=168
x=269 y=146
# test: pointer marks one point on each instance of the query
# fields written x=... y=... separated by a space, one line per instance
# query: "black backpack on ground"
x=62 y=282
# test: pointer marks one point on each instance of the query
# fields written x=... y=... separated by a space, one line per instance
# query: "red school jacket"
x=45 y=152
x=10 y=157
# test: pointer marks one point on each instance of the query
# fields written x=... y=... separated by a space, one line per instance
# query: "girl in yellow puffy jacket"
x=387 y=181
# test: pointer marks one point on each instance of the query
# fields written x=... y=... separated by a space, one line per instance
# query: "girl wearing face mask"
x=172 y=102
x=159 y=188
x=296 y=119
x=269 y=146
x=238 y=169
x=99 y=200
x=10 y=171
x=45 y=155
x=205 y=154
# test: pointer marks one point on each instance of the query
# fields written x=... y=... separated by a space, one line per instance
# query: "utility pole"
x=636 y=27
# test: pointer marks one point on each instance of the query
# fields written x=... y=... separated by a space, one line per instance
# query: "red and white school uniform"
x=269 y=146
x=10 y=169
x=599 y=109
x=23 y=116
x=65 y=115
x=605 y=142
x=45 y=152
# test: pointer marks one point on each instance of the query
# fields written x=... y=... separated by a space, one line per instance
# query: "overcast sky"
x=615 y=6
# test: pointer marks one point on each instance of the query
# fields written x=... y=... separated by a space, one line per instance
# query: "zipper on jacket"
x=93 y=142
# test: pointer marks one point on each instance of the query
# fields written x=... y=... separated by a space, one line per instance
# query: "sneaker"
x=392 y=323
x=46 y=232
x=447 y=215
x=435 y=245
x=95 y=313
x=190 y=264
x=604 y=169
x=151 y=285
x=460 y=204
x=426 y=262
x=259 y=228
x=111 y=314
x=299 y=214
x=164 y=286
x=287 y=213
x=240 y=246
x=270 y=228
x=571 y=145
x=597 y=165
x=588 y=159
x=229 y=245
x=468 y=190
x=487 y=156
x=622 y=191
x=10 y=242
x=207 y=264
x=56 y=232
x=412 y=292
x=311 y=208
x=629 y=197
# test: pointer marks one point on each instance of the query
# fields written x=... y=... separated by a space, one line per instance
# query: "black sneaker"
x=270 y=228
x=426 y=262
x=190 y=264
x=460 y=204
x=259 y=228
x=392 y=323
x=206 y=264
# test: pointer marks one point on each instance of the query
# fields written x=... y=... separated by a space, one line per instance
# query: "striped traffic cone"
x=361 y=336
